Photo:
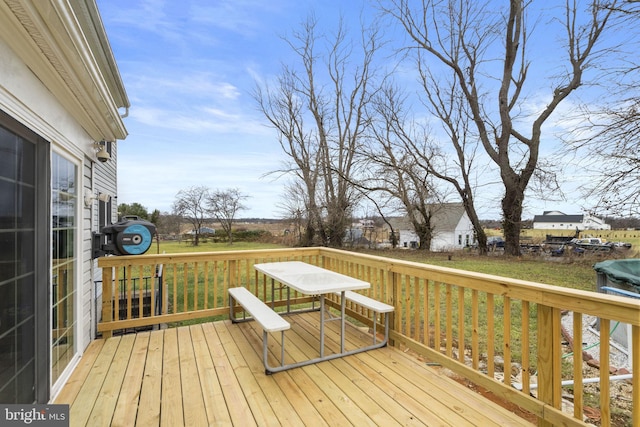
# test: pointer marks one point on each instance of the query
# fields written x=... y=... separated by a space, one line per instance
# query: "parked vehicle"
x=495 y=242
x=592 y=244
x=561 y=250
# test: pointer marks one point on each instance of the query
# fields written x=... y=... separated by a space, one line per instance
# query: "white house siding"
x=443 y=241
x=104 y=181
x=46 y=84
x=86 y=291
x=461 y=237
x=407 y=239
x=448 y=241
x=556 y=226
x=594 y=223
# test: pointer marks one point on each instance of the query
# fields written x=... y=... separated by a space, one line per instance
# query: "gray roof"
x=558 y=218
x=444 y=217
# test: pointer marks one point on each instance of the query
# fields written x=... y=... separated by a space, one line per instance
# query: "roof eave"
x=65 y=46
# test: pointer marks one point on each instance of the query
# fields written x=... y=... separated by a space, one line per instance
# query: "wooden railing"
x=499 y=333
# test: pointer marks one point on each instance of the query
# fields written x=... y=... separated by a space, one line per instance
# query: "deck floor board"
x=212 y=374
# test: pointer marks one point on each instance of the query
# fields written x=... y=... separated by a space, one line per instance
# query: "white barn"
x=556 y=220
x=62 y=103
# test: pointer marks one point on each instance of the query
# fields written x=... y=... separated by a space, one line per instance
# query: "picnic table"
x=314 y=281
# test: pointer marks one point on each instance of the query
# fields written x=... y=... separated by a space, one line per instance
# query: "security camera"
x=103 y=155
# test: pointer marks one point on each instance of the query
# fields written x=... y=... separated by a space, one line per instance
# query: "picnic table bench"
x=375 y=306
x=269 y=320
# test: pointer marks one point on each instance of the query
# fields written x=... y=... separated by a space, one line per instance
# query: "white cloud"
x=155 y=180
x=173 y=83
x=244 y=17
x=146 y=16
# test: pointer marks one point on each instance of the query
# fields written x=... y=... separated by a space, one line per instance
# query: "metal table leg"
x=342 y=320
x=321 y=326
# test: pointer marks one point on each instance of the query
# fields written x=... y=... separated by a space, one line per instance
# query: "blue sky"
x=189 y=67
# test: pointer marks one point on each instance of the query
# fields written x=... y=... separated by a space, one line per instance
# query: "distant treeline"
x=238 y=236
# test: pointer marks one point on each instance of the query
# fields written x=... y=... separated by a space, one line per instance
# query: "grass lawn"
x=183 y=247
x=574 y=273
x=577 y=273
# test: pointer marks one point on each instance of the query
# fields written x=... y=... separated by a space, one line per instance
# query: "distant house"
x=452 y=228
x=355 y=237
x=204 y=231
x=555 y=220
x=364 y=224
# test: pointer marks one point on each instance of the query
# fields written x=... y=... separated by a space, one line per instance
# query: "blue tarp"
x=620 y=270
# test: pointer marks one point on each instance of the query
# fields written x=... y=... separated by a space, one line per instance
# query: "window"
x=64 y=198
x=104 y=213
x=104 y=217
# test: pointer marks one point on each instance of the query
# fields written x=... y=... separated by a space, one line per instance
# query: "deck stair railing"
x=491 y=330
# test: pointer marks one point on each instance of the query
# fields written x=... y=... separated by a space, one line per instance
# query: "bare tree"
x=224 y=205
x=191 y=205
x=614 y=154
x=294 y=207
x=169 y=224
x=317 y=108
x=412 y=151
x=463 y=41
x=382 y=205
x=284 y=109
x=392 y=172
x=608 y=141
x=458 y=167
x=411 y=190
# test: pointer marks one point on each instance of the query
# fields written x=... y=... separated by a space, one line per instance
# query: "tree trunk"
x=306 y=239
x=512 y=219
x=424 y=233
x=336 y=225
x=481 y=236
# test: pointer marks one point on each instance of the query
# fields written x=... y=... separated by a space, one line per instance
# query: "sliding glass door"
x=24 y=261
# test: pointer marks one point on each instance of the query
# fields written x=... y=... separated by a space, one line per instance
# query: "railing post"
x=394 y=279
x=549 y=359
x=635 y=365
x=326 y=262
x=232 y=275
x=107 y=298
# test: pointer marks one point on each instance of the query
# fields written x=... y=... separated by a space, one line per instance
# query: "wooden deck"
x=212 y=374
